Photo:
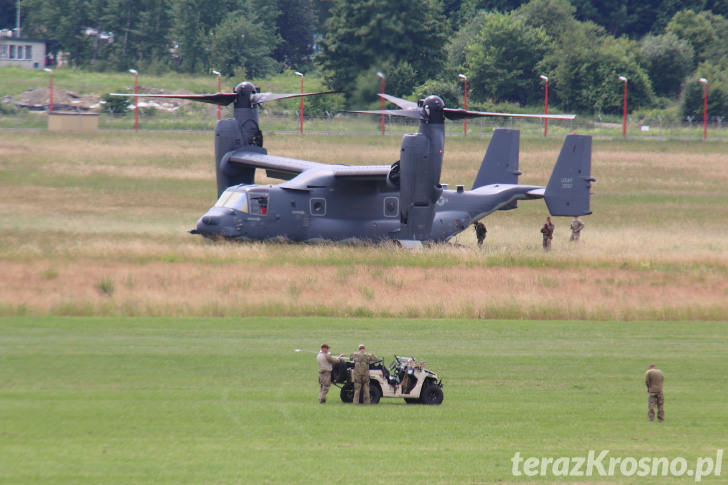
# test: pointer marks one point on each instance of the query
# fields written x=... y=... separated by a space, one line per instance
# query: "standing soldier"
x=480 y=232
x=653 y=381
x=325 y=361
x=576 y=227
x=548 y=234
x=360 y=374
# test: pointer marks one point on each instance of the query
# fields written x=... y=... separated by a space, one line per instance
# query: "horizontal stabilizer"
x=568 y=190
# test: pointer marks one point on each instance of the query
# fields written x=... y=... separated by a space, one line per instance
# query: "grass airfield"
x=131 y=400
x=134 y=352
x=98 y=225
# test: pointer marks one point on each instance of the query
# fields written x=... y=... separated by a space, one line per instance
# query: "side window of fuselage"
x=317 y=206
x=258 y=203
x=391 y=206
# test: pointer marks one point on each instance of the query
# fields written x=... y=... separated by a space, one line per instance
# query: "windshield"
x=233 y=200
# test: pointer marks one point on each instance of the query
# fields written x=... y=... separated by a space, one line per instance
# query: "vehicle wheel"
x=432 y=394
x=347 y=394
x=375 y=394
x=412 y=400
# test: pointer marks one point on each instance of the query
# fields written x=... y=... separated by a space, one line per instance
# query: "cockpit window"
x=233 y=200
x=224 y=197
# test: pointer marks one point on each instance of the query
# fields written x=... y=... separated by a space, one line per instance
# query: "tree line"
x=662 y=47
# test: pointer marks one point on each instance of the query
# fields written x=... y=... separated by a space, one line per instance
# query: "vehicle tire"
x=432 y=394
x=375 y=394
x=347 y=394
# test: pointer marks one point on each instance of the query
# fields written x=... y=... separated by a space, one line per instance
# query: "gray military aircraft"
x=404 y=202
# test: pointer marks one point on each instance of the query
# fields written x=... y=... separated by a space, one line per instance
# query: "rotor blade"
x=402 y=103
x=222 y=99
x=459 y=114
x=265 y=97
x=416 y=114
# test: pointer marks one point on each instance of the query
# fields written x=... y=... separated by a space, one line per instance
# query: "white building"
x=21 y=52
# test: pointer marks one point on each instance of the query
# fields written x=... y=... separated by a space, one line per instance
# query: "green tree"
x=139 y=28
x=450 y=92
x=633 y=18
x=363 y=35
x=554 y=16
x=239 y=41
x=706 y=33
x=586 y=67
x=295 y=23
x=668 y=60
x=192 y=30
x=470 y=8
x=7 y=14
x=457 y=47
x=61 y=22
x=502 y=61
x=717 y=76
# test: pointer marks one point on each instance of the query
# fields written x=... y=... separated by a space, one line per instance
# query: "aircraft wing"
x=288 y=168
x=276 y=167
x=362 y=172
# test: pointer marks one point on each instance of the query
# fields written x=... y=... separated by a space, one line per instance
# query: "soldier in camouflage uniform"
x=360 y=374
x=480 y=232
x=548 y=234
x=576 y=227
x=325 y=362
x=653 y=381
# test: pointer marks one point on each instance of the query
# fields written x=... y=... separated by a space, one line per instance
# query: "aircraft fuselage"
x=343 y=211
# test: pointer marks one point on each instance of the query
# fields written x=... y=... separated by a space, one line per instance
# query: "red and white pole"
x=50 y=90
x=704 y=82
x=465 y=98
x=136 y=99
x=381 y=100
x=624 y=107
x=300 y=115
x=219 y=90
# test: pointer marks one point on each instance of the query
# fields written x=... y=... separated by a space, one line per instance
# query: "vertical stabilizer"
x=500 y=164
x=568 y=190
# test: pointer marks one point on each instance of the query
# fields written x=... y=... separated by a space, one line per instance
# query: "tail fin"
x=567 y=193
x=500 y=164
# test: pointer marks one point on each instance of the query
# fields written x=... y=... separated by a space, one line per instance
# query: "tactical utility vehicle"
x=405 y=378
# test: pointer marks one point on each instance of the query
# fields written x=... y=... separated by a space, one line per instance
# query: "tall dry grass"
x=96 y=226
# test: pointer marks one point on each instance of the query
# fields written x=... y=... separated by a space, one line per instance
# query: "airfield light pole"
x=219 y=90
x=545 y=103
x=300 y=116
x=381 y=100
x=624 y=107
x=50 y=90
x=704 y=82
x=136 y=99
x=465 y=122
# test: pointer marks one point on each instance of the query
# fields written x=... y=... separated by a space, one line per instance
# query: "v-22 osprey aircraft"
x=403 y=202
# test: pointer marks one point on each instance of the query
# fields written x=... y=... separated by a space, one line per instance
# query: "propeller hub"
x=244 y=91
x=434 y=108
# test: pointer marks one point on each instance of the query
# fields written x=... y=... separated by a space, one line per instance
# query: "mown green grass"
x=139 y=400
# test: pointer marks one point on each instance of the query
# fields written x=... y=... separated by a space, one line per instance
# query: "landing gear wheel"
x=432 y=394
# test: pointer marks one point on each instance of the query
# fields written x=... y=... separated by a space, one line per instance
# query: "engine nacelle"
x=419 y=186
